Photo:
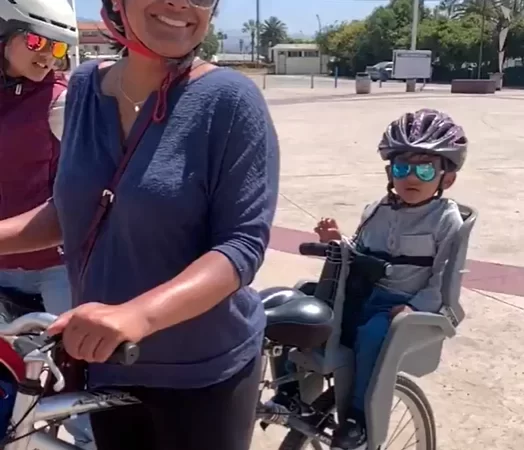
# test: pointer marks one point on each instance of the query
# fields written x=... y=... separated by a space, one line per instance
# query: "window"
x=311 y=54
x=294 y=54
x=91 y=33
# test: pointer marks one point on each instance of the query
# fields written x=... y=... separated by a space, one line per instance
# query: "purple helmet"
x=426 y=131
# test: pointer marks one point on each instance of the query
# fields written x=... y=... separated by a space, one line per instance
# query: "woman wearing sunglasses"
x=165 y=194
x=34 y=37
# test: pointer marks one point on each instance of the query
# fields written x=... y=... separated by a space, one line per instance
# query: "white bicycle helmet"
x=53 y=19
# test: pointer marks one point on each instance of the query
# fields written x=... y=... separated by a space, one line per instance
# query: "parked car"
x=381 y=71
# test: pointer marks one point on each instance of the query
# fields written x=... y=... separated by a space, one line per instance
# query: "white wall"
x=306 y=66
x=302 y=65
x=103 y=49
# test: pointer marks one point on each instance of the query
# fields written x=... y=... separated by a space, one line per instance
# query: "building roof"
x=92 y=32
x=91 y=25
x=295 y=47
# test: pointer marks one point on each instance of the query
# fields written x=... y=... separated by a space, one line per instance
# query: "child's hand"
x=399 y=309
x=327 y=230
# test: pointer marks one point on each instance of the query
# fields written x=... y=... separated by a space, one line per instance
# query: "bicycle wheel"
x=421 y=435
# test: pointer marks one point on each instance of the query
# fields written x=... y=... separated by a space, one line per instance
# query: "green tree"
x=515 y=40
x=346 y=43
x=273 y=31
x=221 y=36
x=250 y=27
x=210 y=45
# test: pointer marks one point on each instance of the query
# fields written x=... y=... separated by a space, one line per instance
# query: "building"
x=299 y=59
x=92 y=40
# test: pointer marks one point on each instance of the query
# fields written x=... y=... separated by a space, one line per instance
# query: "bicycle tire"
x=325 y=403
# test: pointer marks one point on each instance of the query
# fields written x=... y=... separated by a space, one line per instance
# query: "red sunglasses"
x=36 y=43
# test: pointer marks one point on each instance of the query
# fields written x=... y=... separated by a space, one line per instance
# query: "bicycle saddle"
x=298 y=320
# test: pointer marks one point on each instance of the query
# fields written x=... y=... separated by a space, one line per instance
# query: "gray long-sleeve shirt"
x=425 y=230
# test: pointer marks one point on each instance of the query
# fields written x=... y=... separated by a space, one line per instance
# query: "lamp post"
x=481 y=44
x=319 y=53
x=414 y=24
x=412 y=84
x=258 y=31
x=76 y=48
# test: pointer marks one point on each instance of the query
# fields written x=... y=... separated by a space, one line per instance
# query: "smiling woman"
x=195 y=151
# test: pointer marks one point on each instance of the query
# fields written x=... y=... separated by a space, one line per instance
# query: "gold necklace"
x=136 y=105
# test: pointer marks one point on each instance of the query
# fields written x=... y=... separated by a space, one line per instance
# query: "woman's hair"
x=119 y=25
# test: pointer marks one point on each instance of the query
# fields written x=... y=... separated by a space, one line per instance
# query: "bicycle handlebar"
x=126 y=353
x=372 y=262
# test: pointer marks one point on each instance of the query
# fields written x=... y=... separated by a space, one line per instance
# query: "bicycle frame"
x=59 y=407
x=27 y=416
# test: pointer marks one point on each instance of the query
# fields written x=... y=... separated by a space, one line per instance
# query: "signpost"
x=411 y=65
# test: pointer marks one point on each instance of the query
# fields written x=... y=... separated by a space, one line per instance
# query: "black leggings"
x=219 y=417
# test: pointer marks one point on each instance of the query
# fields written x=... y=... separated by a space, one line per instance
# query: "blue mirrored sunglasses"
x=423 y=171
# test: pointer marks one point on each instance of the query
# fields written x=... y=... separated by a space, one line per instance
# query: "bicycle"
x=305 y=321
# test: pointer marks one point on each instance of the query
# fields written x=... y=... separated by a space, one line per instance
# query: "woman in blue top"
x=170 y=262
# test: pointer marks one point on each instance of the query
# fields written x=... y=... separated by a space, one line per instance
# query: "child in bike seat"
x=412 y=227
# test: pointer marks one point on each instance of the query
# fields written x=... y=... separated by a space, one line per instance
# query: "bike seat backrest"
x=452 y=279
x=327 y=285
x=454 y=272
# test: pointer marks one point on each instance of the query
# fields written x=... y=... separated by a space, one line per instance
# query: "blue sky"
x=299 y=15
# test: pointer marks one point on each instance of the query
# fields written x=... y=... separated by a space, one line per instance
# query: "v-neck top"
x=204 y=179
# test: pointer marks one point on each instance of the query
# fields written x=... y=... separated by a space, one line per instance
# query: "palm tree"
x=500 y=13
x=448 y=7
x=250 y=27
x=221 y=36
x=273 y=32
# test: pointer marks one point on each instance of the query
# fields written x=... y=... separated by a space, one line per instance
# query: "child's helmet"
x=426 y=131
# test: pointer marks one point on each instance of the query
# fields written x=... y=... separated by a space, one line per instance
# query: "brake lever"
x=43 y=355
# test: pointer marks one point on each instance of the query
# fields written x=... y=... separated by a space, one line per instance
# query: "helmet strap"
x=133 y=44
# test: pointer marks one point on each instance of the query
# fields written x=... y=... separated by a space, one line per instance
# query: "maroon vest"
x=28 y=157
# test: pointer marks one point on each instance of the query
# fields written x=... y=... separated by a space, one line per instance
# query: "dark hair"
x=119 y=25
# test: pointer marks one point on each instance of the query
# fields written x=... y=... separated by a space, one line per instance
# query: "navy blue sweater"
x=206 y=178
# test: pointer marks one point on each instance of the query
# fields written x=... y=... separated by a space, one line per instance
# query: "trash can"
x=362 y=83
x=497 y=78
x=411 y=85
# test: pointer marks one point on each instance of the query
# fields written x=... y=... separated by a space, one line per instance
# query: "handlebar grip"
x=126 y=354
x=313 y=249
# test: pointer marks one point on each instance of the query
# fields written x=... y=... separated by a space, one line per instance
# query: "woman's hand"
x=93 y=331
x=328 y=230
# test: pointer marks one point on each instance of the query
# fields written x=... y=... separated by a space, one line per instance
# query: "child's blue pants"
x=373 y=326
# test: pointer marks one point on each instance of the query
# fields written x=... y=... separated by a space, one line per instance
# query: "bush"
x=514 y=77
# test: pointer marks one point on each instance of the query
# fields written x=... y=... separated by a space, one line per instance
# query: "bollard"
x=411 y=85
x=264 y=82
x=312 y=81
x=336 y=77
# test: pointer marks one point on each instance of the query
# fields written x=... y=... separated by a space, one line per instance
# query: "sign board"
x=411 y=64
